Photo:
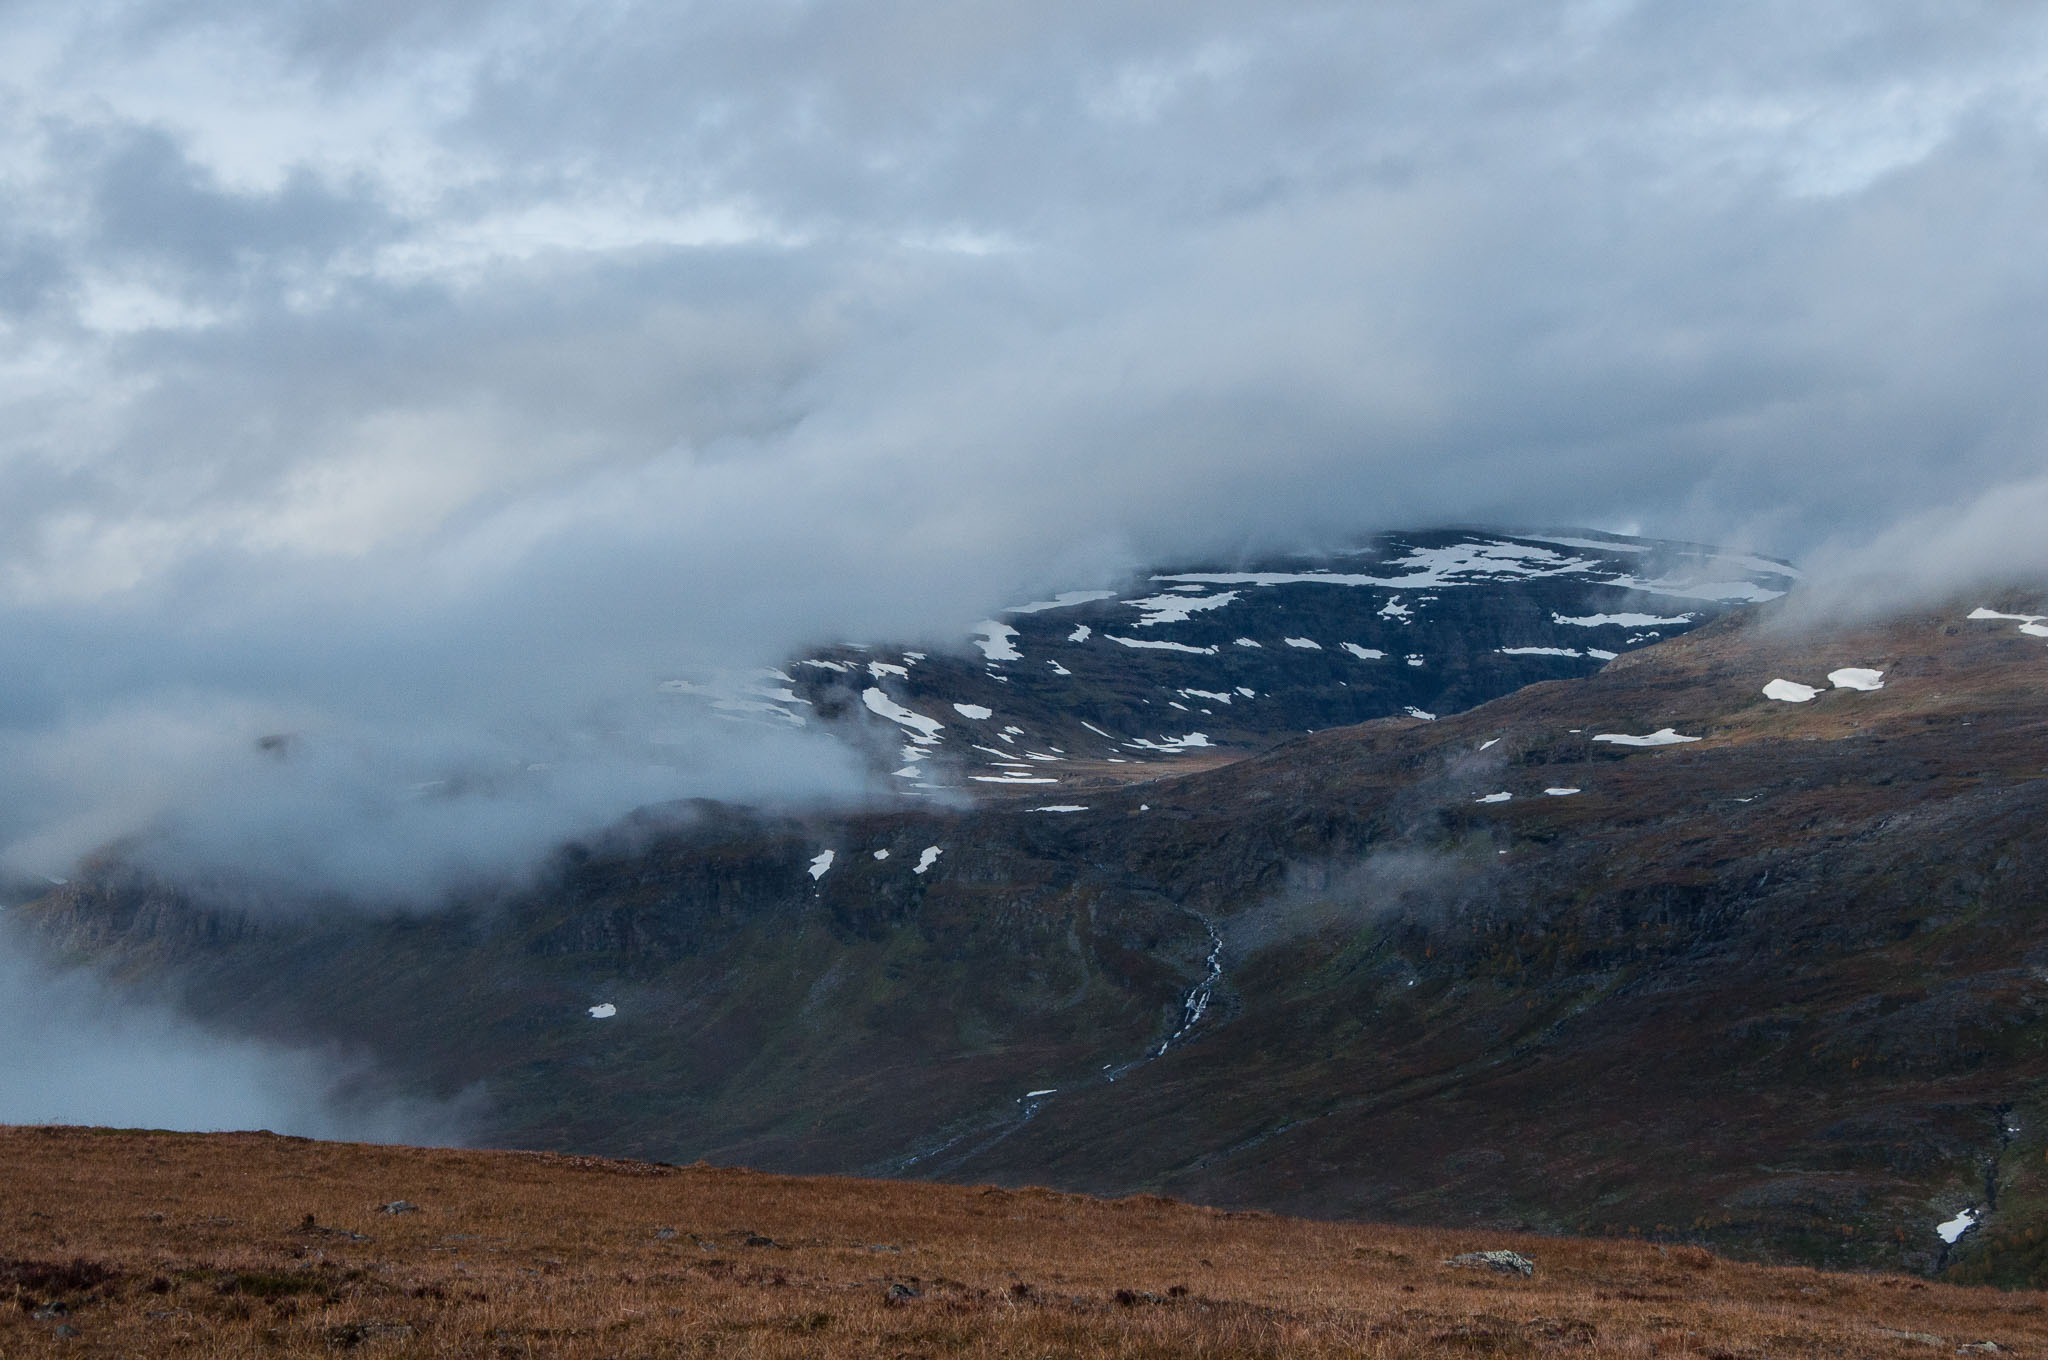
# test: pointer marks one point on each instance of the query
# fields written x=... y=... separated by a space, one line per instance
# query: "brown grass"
x=131 y=1243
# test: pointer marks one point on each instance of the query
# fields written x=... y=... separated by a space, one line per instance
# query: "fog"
x=80 y=1053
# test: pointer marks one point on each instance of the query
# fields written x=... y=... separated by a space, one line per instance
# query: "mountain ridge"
x=1802 y=947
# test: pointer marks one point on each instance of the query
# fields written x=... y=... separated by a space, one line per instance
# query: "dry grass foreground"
x=137 y=1243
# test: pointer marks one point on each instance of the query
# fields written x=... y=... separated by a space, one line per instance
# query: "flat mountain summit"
x=1197 y=663
x=1733 y=939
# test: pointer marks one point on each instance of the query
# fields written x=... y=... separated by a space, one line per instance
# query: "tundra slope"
x=127 y=1243
x=1778 y=985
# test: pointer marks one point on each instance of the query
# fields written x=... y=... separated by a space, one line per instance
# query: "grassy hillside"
x=130 y=1243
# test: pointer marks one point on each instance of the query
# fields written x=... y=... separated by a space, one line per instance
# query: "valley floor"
x=127 y=1243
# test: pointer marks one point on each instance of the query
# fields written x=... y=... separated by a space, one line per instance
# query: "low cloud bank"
x=1988 y=543
x=78 y=1053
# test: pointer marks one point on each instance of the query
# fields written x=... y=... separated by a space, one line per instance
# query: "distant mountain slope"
x=1649 y=950
x=1201 y=660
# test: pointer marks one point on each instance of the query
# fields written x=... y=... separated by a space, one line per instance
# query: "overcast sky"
x=428 y=380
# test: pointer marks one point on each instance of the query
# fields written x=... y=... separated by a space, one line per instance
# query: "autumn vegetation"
x=149 y=1243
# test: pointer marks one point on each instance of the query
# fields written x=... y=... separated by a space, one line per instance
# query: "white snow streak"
x=1621 y=620
x=1064 y=600
x=923 y=730
x=1663 y=736
x=1161 y=645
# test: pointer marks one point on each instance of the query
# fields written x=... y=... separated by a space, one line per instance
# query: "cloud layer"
x=428 y=382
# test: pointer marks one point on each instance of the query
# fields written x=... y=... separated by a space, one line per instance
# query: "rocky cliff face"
x=1641 y=951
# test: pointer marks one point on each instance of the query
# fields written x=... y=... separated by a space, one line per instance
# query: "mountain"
x=1198 y=663
x=1737 y=940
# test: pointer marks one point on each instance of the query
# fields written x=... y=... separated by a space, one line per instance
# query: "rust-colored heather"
x=137 y=1243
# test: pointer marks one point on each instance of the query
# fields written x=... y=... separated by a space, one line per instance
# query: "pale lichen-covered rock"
x=1506 y=1262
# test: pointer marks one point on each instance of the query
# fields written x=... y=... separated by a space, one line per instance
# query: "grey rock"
x=399 y=1206
x=1506 y=1262
x=1924 y=1338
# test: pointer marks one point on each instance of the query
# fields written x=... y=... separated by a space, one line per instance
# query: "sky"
x=428 y=381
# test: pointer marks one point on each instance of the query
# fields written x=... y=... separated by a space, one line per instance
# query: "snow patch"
x=974 y=711
x=1561 y=792
x=1856 y=677
x=927 y=859
x=1062 y=807
x=1306 y=644
x=1957 y=1226
x=994 y=640
x=1537 y=651
x=1725 y=592
x=605 y=1010
x=1494 y=798
x=1604 y=656
x=1012 y=779
x=881 y=854
x=1786 y=691
x=1364 y=653
x=1058 y=669
x=1490 y=741
x=821 y=864
x=1177 y=608
x=879 y=669
x=1080 y=634
x=1414 y=712
x=1663 y=736
x=1982 y=613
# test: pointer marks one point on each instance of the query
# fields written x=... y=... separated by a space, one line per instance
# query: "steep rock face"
x=1778 y=983
x=1199 y=662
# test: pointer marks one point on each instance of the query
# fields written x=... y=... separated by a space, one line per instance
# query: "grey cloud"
x=150 y=200
x=80 y=1053
x=511 y=358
